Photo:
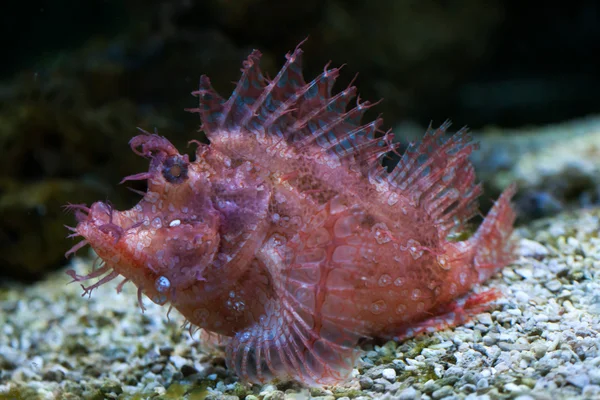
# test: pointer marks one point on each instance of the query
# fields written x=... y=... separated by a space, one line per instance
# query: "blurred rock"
x=556 y=167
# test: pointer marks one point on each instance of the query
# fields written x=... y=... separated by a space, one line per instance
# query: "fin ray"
x=436 y=174
x=306 y=115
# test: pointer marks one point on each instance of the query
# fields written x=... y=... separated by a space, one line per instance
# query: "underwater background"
x=78 y=77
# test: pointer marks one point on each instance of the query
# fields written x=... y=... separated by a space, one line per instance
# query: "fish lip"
x=101 y=224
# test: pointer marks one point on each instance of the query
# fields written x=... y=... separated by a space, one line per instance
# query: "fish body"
x=288 y=238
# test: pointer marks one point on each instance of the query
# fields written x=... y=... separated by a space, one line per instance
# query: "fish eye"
x=175 y=169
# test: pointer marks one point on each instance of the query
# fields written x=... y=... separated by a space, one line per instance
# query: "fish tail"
x=492 y=242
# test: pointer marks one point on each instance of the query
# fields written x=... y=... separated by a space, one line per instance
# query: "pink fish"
x=287 y=237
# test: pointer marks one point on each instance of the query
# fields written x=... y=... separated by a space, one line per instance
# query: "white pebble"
x=531 y=248
x=521 y=297
x=389 y=374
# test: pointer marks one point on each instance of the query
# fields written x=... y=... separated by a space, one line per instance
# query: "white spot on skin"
x=416 y=293
x=279 y=197
x=151 y=197
x=393 y=199
x=453 y=288
x=443 y=263
x=415 y=248
x=175 y=222
x=378 y=307
x=385 y=280
x=162 y=284
x=278 y=239
x=463 y=278
x=382 y=233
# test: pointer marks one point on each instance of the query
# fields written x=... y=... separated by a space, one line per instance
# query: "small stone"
x=512 y=387
x=365 y=382
x=594 y=376
x=165 y=350
x=157 y=368
x=188 y=370
x=490 y=339
x=554 y=285
x=10 y=358
x=521 y=297
x=378 y=387
x=383 y=382
x=55 y=375
x=111 y=387
x=389 y=374
x=178 y=361
x=525 y=273
x=578 y=380
x=408 y=394
x=468 y=388
x=591 y=392
x=275 y=395
x=430 y=386
x=531 y=248
x=443 y=392
x=485 y=319
x=482 y=384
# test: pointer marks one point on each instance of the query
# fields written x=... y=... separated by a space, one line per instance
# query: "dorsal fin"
x=437 y=174
x=286 y=107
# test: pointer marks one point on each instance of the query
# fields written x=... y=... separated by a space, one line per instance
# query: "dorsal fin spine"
x=295 y=57
x=301 y=123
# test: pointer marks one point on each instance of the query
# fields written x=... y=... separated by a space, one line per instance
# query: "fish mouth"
x=100 y=225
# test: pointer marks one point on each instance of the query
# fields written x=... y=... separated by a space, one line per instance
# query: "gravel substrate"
x=540 y=341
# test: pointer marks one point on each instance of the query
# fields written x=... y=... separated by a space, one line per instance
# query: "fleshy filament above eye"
x=175 y=169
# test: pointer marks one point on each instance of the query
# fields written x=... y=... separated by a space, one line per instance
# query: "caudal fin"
x=492 y=242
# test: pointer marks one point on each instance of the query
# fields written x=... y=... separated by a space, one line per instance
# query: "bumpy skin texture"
x=287 y=238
